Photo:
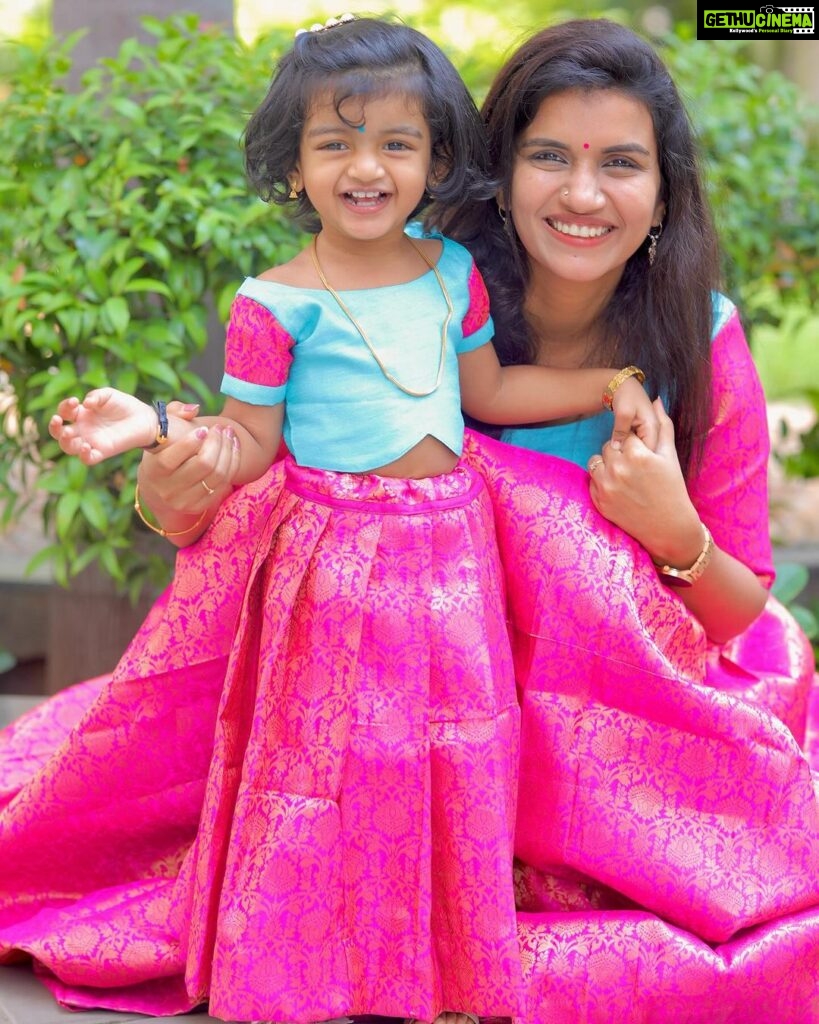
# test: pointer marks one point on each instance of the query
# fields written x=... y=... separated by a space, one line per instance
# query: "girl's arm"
x=504 y=395
x=109 y=422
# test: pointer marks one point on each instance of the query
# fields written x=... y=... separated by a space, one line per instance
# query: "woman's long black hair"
x=660 y=317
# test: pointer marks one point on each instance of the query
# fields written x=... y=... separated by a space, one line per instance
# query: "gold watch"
x=685 y=577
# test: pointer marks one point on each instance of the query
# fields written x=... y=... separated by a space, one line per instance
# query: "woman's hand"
x=644 y=493
x=634 y=413
x=179 y=481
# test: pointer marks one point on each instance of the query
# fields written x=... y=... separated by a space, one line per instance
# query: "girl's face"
x=364 y=181
x=586 y=186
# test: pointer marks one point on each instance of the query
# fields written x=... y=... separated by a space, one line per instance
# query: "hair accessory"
x=685 y=577
x=617 y=380
x=653 y=235
x=444 y=328
x=330 y=23
x=158 y=529
x=161 y=428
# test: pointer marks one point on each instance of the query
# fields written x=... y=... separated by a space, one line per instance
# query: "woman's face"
x=585 y=186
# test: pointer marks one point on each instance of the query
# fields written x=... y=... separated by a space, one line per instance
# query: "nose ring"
x=565 y=193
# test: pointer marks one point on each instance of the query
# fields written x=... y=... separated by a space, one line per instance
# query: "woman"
x=641 y=805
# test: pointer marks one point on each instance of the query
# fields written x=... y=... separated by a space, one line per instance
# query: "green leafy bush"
x=755 y=129
x=759 y=136
x=124 y=218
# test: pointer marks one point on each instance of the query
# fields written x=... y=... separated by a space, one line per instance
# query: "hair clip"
x=330 y=23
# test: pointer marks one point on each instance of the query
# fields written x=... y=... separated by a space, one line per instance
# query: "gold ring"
x=210 y=490
x=595 y=464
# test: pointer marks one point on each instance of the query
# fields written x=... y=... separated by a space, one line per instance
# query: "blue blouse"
x=341 y=413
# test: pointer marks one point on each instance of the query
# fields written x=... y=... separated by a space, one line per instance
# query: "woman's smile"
x=586 y=185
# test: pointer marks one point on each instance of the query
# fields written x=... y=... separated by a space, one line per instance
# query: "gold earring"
x=653 y=235
x=293 y=193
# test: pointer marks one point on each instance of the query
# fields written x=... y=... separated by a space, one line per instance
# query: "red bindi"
x=585 y=145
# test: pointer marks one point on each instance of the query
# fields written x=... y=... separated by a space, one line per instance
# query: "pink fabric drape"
x=667 y=834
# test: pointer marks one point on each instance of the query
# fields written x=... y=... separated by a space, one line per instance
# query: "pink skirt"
x=310 y=813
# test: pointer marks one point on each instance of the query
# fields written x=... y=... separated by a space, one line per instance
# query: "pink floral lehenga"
x=295 y=799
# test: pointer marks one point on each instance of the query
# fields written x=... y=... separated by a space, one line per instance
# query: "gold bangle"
x=158 y=529
x=617 y=380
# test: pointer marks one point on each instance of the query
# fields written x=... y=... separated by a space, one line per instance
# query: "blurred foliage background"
x=126 y=224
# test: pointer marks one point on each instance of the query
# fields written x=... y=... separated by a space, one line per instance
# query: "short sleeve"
x=477 y=325
x=258 y=354
x=729 y=488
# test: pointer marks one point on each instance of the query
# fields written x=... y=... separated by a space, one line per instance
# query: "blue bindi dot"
x=361 y=127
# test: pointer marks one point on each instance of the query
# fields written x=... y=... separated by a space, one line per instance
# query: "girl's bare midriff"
x=430 y=457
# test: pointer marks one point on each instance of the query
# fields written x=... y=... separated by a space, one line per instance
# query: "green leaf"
x=791 y=580
x=93 y=508
x=128 y=109
x=122 y=275
x=111 y=564
x=71 y=321
x=116 y=313
x=42 y=557
x=152 y=366
x=148 y=284
x=67 y=508
x=154 y=247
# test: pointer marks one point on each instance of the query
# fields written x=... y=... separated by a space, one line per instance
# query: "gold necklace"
x=366 y=340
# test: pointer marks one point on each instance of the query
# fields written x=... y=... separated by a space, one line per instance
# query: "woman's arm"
x=179 y=482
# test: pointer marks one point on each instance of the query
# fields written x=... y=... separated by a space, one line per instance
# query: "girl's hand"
x=644 y=492
x=107 y=422
x=634 y=413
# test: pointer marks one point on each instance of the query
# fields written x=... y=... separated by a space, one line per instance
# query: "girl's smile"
x=364 y=166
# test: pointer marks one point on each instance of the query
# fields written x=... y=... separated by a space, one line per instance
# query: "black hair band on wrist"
x=162 y=426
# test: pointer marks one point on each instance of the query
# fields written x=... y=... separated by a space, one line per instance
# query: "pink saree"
x=668 y=827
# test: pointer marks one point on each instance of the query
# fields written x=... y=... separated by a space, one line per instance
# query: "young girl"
x=354 y=849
